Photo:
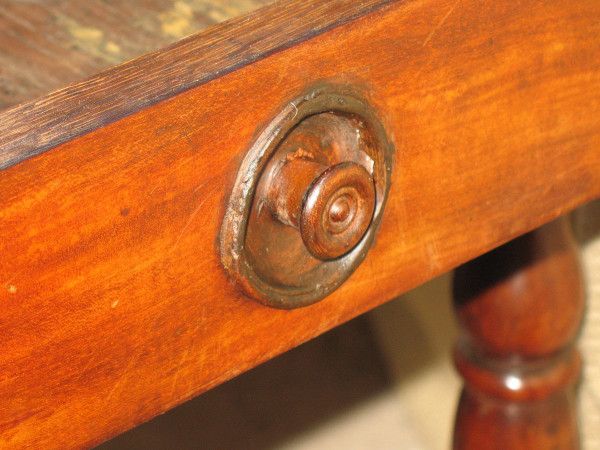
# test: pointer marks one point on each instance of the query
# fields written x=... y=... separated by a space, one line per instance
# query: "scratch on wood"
x=179 y=166
x=86 y=367
x=201 y=185
x=282 y=73
x=183 y=358
x=441 y=23
x=189 y=221
x=132 y=361
x=433 y=255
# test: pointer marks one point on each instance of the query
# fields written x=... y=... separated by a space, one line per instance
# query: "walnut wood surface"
x=47 y=44
x=520 y=306
x=34 y=127
x=114 y=304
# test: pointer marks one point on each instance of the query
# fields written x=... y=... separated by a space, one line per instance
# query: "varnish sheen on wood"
x=31 y=128
x=47 y=44
x=520 y=307
x=114 y=305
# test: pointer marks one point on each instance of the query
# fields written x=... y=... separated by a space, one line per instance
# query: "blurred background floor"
x=382 y=381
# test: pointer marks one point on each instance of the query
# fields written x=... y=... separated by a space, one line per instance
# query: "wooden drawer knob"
x=307 y=199
x=332 y=207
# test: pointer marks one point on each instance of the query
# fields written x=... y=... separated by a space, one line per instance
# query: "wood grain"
x=47 y=44
x=114 y=305
x=29 y=129
x=520 y=307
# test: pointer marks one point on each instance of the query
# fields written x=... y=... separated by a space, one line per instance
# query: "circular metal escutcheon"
x=273 y=252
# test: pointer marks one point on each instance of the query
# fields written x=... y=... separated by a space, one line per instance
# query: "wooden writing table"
x=113 y=191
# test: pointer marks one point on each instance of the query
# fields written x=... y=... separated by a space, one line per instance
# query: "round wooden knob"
x=307 y=198
x=332 y=207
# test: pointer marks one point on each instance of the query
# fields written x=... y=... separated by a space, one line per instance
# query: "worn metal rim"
x=321 y=99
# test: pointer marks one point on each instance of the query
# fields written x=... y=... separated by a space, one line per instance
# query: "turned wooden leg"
x=520 y=307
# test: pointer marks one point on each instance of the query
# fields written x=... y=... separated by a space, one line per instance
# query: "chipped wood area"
x=45 y=44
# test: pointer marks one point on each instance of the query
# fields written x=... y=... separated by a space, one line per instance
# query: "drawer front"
x=115 y=304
